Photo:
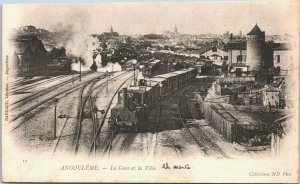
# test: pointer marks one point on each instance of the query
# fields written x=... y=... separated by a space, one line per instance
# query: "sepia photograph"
x=150 y=92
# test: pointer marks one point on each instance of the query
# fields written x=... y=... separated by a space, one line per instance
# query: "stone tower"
x=111 y=29
x=255 y=47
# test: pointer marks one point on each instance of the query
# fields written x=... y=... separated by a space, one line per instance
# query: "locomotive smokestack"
x=124 y=97
x=94 y=66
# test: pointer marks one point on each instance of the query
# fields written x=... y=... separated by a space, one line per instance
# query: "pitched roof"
x=22 y=42
x=281 y=46
x=236 y=45
x=20 y=47
x=215 y=55
x=255 y=30
x=203 y=49
x=180 y=50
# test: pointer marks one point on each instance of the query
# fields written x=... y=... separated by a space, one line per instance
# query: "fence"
x=235 y=79
x=215 y=118
x=227 y=125
x=244 y=133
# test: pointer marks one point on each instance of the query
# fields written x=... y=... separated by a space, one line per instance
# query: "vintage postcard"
x=151 y=92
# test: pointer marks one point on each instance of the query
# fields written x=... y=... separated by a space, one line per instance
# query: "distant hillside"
x=49 y=39
x=153 y=36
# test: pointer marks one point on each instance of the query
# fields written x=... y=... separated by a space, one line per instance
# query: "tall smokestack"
x=124 y=97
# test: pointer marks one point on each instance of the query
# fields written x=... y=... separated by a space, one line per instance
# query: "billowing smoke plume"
x=83 y=47
x=74 y=36
x=111 y=67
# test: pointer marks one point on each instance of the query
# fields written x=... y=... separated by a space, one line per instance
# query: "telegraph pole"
x=80 y=69
x=106 y=81
x=134 y=62
x=160 y=99
x=72 y=72
x=134 y=75
x=54 y=126
x=72 y=77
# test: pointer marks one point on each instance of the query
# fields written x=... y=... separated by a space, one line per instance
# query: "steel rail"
x=105 y=114
x=25 y=100
x=82 y=105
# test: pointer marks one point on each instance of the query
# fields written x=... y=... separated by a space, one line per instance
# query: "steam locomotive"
x=155 y=67
x=135 y=102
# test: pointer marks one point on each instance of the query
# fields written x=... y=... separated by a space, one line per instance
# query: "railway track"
x=18 y=89
x=34 y=96
x=82 y=106
x=200 y=131
x=59 y=137
x=48 y=99
x=51 y=97
x=197 y=133
x=24 y=81
x=108 y=144
x=85 y=95
x=83 y=101
x=156 y=119
x=126 y=143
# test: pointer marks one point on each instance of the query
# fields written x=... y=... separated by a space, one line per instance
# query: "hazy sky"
x=274 y=17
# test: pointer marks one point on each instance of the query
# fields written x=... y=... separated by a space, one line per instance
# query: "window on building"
x=214 y=49
x=226 y=58
x=278 y=58
x=239 y=58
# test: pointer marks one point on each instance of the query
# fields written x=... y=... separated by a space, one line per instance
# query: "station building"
x=28 y=54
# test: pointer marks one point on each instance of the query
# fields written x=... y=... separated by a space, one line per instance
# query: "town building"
x=215 y=54
x=255 y=47
x=253 y=56
x=271 y=97
x=283 y=56
x=29 y=54
x=206 y=51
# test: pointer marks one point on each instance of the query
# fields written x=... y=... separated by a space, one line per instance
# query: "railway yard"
x=174 y=127
x=150 y=92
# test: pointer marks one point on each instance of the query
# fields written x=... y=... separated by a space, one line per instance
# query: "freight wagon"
x=135 y=102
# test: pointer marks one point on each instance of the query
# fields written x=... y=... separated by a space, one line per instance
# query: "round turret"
x=255 y=46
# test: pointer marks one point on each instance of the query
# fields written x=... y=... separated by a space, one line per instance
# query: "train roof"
x=152 y=83
x=139 y=89
x=167 y=75
x=171 y=74
x=190 y=69
x=155 y=61
x=156 y=79
x=183 y=70
x=180 y=71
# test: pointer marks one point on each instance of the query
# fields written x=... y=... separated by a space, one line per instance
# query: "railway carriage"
x=135 y=102
x=171 y=81
x=156 y=81
x=182 y=77
x=155 y=67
